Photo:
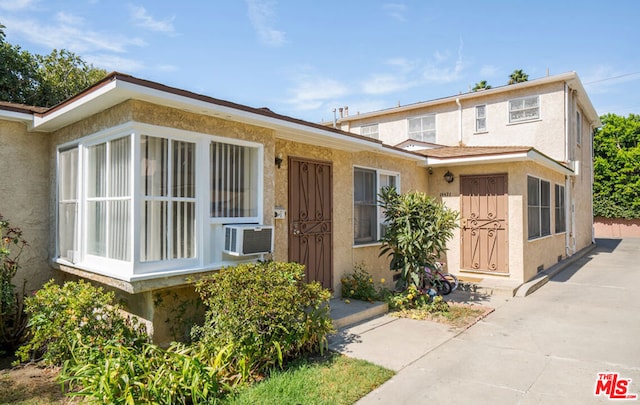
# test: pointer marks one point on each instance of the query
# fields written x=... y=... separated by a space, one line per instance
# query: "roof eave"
x=116 y=89
x=531 y=155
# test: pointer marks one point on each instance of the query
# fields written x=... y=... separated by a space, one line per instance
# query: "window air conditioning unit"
x=248 y=239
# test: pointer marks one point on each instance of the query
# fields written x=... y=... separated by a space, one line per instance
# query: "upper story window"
x=481 y=118
x=578 y=128
x=368 y=223
x=369 y=130
x=149 y=199
x=538 y=207
x=524 y=109
x=561 y=223
x=423 y=128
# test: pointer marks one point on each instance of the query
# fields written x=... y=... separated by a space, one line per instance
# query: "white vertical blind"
x=168 y=187
x=233 y=181
x=68 y=204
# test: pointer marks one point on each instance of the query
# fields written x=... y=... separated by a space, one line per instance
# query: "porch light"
x=448 y=176
x=279 y=160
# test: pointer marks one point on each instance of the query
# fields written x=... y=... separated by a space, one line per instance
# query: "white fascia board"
x=76 y=110
x=504 y=158
x=117 y=91
x=16 y=116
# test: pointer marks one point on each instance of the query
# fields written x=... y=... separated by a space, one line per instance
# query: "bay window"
x=149 y=199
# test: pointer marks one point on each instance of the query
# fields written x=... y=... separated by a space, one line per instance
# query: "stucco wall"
x=24 y=187
x=345 y=255
x=524 y=256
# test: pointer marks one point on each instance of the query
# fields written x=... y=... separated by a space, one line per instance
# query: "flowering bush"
x=360 y=285
x=61 y=317
x=12 y=318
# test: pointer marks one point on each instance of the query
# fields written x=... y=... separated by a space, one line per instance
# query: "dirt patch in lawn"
x=459 y=317
x=29 y=384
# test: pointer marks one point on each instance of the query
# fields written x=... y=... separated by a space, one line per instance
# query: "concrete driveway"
x=547 y=348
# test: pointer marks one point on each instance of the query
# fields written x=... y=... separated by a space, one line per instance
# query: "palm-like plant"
x=518 y=76
x=482 y=85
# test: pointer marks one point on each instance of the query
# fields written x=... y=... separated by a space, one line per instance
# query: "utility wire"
x=615 y=77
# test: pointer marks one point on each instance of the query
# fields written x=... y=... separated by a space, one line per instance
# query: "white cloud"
x=262 y=16
x=114 y=63
x=69 y=32
x=386 y=83
x=441 y=71
x=396 y=11
x=312 y=92
x=143 y=19
x=488 y=71
x=15 y=5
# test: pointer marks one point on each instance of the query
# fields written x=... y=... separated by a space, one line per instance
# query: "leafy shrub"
x=418 y=228
x=265 y=313
x=122 y=374
x=12 y=317
x=416 y=298
x=62 y=317
x=359 y=285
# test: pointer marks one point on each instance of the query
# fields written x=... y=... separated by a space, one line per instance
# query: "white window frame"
x=207 y=229
x=480 y=118
x=578 y=128
x=423 y=134
x=560 y=208
x=379 y=220
x=370 y=131
x=524 y=109
x=539 y=206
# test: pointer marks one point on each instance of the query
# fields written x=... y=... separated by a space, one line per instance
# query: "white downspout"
x=593 y=231
x=459 y=120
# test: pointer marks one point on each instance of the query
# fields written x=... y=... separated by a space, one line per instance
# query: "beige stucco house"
x=140 y=187
x=515 y=161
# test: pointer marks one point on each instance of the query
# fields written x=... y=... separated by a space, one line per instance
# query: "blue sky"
x=305 y=58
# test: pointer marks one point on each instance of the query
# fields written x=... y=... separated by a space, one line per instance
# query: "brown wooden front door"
x=484 y=223
x=310 y=223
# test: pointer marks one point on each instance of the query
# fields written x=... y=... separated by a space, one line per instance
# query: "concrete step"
x=345 y=312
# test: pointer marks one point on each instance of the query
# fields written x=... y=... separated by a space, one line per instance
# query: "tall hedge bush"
x=265 y=313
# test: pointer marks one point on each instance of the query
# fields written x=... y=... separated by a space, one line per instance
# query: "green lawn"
x=334 y=380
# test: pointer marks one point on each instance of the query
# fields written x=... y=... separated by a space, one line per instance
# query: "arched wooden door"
x=310 y=218
x=484 y=223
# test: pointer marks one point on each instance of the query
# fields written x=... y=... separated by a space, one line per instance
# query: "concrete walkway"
x=547 y=347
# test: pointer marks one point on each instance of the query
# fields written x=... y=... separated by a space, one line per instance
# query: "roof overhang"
x=531 y=155
x=570 y=78
x=117 y=88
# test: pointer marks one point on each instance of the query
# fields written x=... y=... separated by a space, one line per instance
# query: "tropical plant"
x=61 y=317
x=265 y=313
x=417 y=230
x=13 y=320
x=117 y=373
x=482 y=85
x=616 y=186
x=518 y=76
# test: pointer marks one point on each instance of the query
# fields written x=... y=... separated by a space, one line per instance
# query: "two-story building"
x=515 y=161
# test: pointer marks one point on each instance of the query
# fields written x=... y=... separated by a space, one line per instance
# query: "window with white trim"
x=481 y=118
x=423 y=128
x=368 y=223
x=149 y=199
x=560 y=220
x=524 y=109
x=538 y=207
x=578 y=128
x=369 y=130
